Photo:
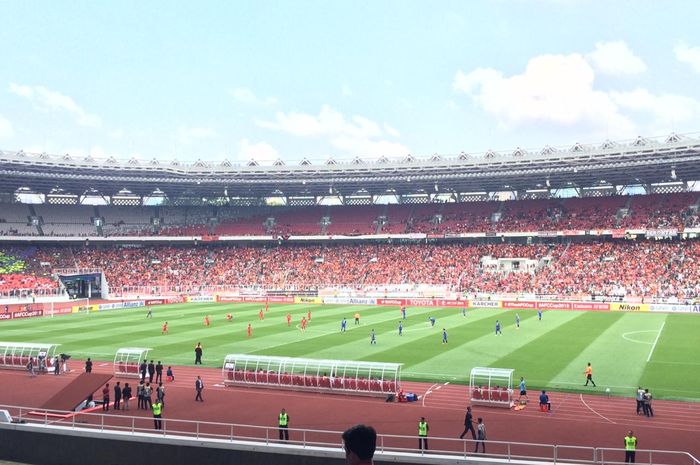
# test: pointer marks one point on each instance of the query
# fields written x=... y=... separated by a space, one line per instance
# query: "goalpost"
x=67 y=306
x=491 y=386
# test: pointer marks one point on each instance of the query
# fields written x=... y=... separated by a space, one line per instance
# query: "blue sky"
x=320 y=79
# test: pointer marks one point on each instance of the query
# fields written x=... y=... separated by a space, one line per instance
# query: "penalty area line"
x=651 y=352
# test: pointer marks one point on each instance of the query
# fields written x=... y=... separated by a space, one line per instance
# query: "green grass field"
x=551 y=353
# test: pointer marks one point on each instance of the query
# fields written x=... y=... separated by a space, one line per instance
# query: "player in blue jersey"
x=432 y=320
x=464 y=311
x=400 y=328
x=539 y=314
x=444 y=336
x=373 y=338
x=498 y=328
x=517 y=321
x=343 y=325
x=403 y=312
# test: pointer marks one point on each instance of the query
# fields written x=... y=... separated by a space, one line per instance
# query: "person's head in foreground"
x=360 y=441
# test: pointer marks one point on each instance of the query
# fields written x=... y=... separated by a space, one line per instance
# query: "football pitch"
x=653 y=350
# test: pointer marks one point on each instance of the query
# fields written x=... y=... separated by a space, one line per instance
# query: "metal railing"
x=447 y=448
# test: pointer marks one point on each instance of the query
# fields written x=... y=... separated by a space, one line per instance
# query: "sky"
x=268 y=80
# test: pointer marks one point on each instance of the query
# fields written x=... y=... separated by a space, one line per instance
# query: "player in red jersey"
x=267 y=306
x=206 y=320
x=308 y=315
x=289 y=319
x=249 y=330
x=165 y=328
x=229 y=317
x=262 y=316
x=303 y=324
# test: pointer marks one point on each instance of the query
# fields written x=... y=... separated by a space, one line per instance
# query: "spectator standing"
x=198 y=354
x=648 y=411
x=640 y=400
x=423 y=434
x=630 y=447
x=160 y=394
x=468 y=424
x=126 y=392
x=151 y=371
x=359 y=442
x=139 y=394
x=170 y=375
x=283 y=422
x=199 y=387
x=147 y=392
x=159 y=372
x=157 y=415
x=30 y=367
x=88 y=365
x=143 y=368
x=56 y=366
x=480 y=435
x=105 y=398
x=117 y=396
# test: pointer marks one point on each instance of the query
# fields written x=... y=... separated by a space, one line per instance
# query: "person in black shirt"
x=117 y=396
x=151 y=371
x=126 y=392
x=159 y=372
x=468 y=424
x=88 y=365
x=198 y=354
x=143 y=368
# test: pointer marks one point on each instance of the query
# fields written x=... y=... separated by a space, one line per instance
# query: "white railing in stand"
x=451 y=450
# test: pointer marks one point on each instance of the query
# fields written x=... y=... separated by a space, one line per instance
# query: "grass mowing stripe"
x=672 y=368
x=552 y=351
x=617 y=362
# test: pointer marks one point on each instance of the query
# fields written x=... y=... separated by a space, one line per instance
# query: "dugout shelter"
x=127 y=361
x=491 y=386
x=17 y=354
x=305 y=374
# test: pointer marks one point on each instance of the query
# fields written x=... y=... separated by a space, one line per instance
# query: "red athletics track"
x=583 y=420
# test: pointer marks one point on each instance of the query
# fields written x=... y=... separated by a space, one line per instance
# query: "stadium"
x=584 y=255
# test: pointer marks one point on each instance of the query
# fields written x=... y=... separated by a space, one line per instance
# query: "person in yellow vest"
x=283 y=421
x=357 y=318
x=630 y=447
x=423 y=434
x=157 y=408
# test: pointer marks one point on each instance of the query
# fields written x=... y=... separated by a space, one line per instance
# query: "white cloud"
x=616 y=58
x=262 y=152
x=187 y=135
x=393 y=132
x=665 y=109
x=357 y=135
x=6 y=129
x=48 y=100
x=556 y=89
x=247 y=96
x=689 y=55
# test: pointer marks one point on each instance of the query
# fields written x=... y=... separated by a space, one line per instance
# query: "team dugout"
x=304 y=374
x=17 y=354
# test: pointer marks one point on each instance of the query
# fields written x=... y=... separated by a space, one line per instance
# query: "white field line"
x=589 y=408
x=651 y=352
x=624 y=336
x=428 y=391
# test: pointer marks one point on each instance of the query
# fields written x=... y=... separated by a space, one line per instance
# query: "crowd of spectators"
x=660 y=269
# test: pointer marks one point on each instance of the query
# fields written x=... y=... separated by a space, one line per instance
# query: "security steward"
x=157 y=407
x=630 y=447
x=284 y=425
x=423 y=434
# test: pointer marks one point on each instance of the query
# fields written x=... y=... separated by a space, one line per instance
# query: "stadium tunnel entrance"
x=84 y=286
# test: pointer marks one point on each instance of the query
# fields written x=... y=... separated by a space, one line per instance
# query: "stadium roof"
x=642 y=161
